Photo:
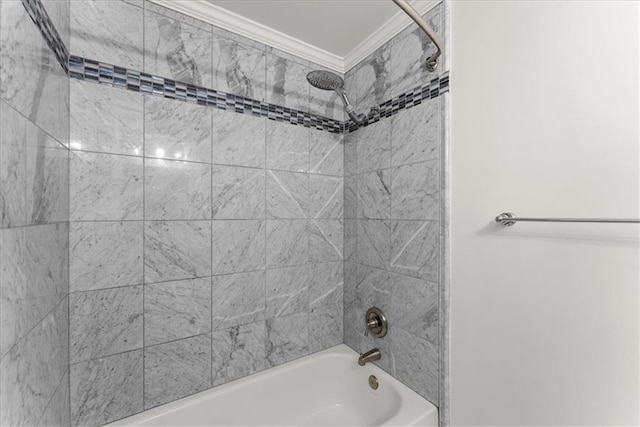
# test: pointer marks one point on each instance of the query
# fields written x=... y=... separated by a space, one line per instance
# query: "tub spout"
x=369 y=356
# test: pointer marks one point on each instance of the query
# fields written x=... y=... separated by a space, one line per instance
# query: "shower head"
x=326 y=80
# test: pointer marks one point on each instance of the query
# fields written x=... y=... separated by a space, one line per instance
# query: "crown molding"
x=391 y=28
x=230 y=21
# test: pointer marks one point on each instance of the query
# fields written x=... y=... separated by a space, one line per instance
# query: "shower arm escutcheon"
x=432 y=61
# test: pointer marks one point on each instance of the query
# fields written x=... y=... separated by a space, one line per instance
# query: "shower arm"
x=432 y=61
x=358 y=118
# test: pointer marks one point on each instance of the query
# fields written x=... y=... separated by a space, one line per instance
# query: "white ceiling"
x=337 y=26
x=334 y=33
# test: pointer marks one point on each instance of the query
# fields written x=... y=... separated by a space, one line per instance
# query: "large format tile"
x=416 y=364
x=374 y=195
x=373 y=79
x=105 y=187
x=105 y=255
x=287 y=146
x=373 y=147
x=34 y=276
x=287 y=291
x=415 y=191
x=16 y=130
x=373 y=245
x=287 y=243
x=350 y=153
x=287 y=338
x=174 y=310
x=327 y=196
x=238 y=139
x=350 y=281
x=373 y=288
x=350 y=197
x=238 y=246
x=325 y=240
x=286 y=80
x=327 y=153
x=415 y=248
x=350 y=243
x=414 y=306
x=238 y=352
x=177 y=250
x=287 y=195
x=229 y=35
x=177 y=190
x=237 y=299
x=327 y=332
x=238 y=193
x=170 y=13
x=105 y=120
x=409 y=51
x=177 y=50
x=107 y=389
x=176 y=369
x=415 y=134
x=57 y=412
x=33 y=369
x=239 y=68
x=34 y=173
x=33 y=82
x=177 y=130
x=115 y=38
x=325 y=284
x=47 y=180
x=105 y=322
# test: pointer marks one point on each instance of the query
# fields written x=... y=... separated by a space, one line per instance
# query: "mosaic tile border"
x=393 y=106
x=136 y=81
x=112 y=75
x=41 y=18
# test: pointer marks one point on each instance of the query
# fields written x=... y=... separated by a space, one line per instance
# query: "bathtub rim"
x=338 y=351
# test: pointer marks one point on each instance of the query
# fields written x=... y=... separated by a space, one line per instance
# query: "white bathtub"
x=328 y=388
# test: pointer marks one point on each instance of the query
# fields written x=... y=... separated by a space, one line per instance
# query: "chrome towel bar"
x=508 y=219
x=432 y=61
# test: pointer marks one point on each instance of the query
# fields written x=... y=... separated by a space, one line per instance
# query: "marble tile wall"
x=34 y=222
x=178 y=247
x=393 y=213
x=201 y=241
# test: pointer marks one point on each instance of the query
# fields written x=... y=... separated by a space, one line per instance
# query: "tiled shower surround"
x=395 y=215
x=34 y=222
x=203 y=243
x=206 y=245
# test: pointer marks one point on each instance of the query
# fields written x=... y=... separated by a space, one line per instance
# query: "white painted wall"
x=544 y=122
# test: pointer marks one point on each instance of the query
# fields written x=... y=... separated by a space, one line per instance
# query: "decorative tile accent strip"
x=40 y=17
x=433 y=89
x=112 y=75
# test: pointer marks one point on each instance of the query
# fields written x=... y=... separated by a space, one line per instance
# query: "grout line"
x=26 y=334
x=266 y=234
x=144 y=207
x=212 y=145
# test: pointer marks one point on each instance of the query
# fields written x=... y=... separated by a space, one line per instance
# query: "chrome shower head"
x=326 y=80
